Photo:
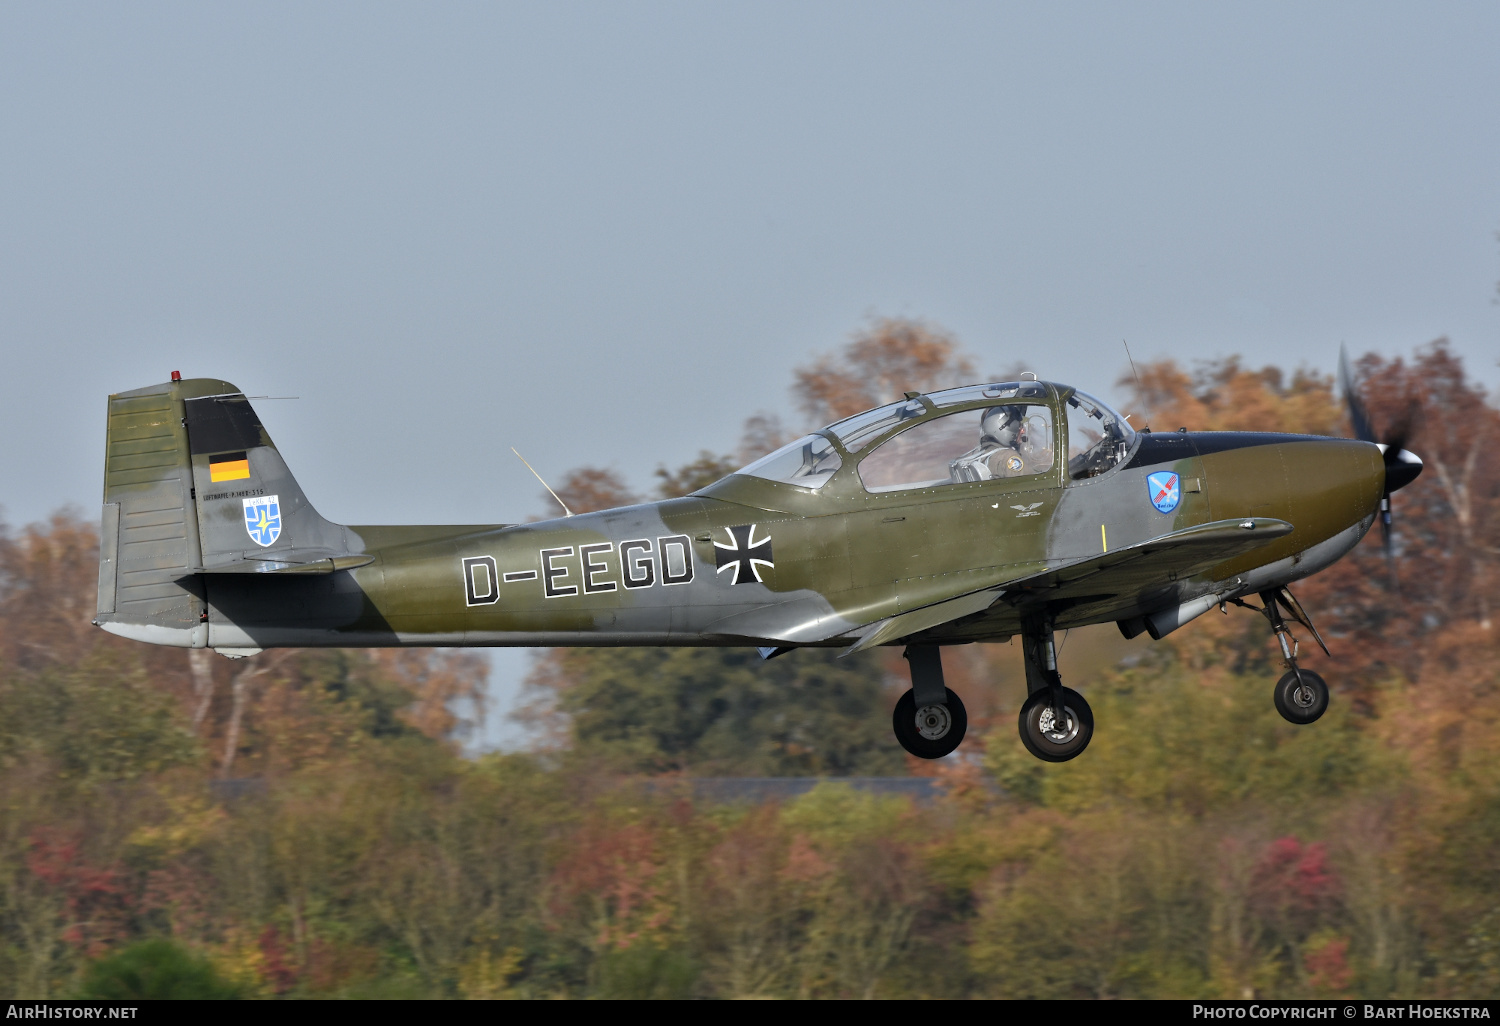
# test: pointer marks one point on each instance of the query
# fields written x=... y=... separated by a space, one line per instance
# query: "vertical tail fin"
x=252 y=514
x=194 y=485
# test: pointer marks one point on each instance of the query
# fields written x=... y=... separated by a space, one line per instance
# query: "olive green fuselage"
x=745 y=561
x=649 y=574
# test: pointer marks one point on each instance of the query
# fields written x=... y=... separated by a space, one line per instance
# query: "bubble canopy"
x=1099 y=437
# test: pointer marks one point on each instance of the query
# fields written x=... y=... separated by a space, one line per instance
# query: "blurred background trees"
x=305 y=823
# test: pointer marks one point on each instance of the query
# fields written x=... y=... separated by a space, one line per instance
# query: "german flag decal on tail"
x=228 y=466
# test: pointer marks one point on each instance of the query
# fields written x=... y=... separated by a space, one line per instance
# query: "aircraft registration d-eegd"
x=979 y=513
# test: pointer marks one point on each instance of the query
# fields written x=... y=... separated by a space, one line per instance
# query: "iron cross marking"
x=743 y=553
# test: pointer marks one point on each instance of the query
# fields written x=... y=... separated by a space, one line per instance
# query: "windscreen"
x=1098 y=437
x=807 y=463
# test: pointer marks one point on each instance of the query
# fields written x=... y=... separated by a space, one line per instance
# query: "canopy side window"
x=807 y=463
x=1098 y=437
x=972 y=445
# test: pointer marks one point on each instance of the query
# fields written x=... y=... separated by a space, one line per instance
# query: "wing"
x=1111 y=577
x=1120 y=577
x=1183 y=553
x=927 y=617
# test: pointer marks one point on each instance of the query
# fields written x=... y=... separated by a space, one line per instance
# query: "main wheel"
x=1055 y=739
x=932 y=731
x=1303 y=702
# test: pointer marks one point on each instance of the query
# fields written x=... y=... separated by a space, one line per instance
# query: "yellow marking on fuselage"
x=1103 y=538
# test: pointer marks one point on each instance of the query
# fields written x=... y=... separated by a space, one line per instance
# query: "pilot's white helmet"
x=1001 y=425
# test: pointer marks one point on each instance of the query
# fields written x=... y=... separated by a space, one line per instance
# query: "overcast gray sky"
x=605 y=233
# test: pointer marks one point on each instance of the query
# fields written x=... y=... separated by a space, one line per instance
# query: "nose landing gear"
x=1301 y=696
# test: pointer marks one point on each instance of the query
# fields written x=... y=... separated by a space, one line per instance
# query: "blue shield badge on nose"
x=1165 y=490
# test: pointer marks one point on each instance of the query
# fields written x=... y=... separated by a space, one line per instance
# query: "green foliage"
x=1140 y=894
x=374 y=699
x=1192 y=743
x=1164 y=839
x=837 y=815
x=154 y=970
x=1251 y=857
x=646 y=972
x=96 y=721
x=725 y=711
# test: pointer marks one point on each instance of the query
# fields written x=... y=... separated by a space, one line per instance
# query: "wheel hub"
x=1058 y=730
x=934 y=722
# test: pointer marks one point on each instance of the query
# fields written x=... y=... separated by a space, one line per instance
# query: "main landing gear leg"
x=1056 y=723
x=929 y=721
x=1301 y=696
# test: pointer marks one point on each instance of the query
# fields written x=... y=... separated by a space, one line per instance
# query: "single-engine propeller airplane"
x=980 y=513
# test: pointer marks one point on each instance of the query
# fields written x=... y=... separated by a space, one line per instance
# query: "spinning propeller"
x=1401 y=466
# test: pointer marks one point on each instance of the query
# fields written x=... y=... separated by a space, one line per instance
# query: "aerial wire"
x=1139 y=388
x=566 y=511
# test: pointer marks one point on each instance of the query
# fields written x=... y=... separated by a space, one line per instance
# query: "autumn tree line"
x=305 y=823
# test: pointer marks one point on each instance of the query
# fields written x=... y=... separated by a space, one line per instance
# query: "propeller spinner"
x=1401 y=465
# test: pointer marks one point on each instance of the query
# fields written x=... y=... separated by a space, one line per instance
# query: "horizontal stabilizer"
x=326 y=565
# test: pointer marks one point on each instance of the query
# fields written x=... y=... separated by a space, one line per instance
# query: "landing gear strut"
x=1301 y=696
x=1056 y=723
x=929 y=720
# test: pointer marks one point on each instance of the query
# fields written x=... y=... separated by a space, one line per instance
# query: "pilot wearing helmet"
x=1003 y=449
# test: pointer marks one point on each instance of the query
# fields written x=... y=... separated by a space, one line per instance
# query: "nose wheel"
x=1301 y=696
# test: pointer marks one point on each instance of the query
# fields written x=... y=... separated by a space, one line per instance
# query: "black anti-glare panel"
x=1161 y=447
x=219 y=423
x=1222 y=441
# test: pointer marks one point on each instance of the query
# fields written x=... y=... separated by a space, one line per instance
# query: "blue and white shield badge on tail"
x=1165 y=490
x=263 y=519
